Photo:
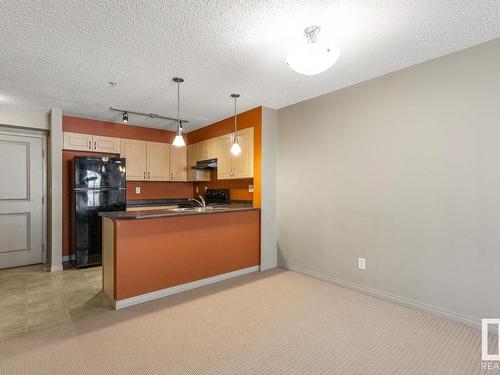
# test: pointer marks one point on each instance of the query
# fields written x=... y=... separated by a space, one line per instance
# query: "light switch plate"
x=250 y=188
x=138 y=190
x=362 y=263
x=197 y=189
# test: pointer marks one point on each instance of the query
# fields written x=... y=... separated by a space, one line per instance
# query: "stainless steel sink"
x=197 y=209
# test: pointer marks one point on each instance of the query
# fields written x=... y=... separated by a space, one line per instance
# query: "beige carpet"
x=276 y=322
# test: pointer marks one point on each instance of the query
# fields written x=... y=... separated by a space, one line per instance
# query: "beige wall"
x=26 y=118
x=403 y=170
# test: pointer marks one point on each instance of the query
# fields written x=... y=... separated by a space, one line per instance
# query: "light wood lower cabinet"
x=236 y=166
x=158 y=161
x=135 y=153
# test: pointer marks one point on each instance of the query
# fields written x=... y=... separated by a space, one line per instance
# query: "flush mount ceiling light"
x=179 y=139
x=235 y=148
x=314 y=57
x=125 y=117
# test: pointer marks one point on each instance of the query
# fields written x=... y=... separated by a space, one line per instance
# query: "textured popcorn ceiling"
x=57 y=53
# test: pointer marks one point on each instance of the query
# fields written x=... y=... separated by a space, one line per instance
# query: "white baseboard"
x=267 y=268
x=431 y=309
x=56 y=268
x=181 y=288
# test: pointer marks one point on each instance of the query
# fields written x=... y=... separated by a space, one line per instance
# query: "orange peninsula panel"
x=155 y=254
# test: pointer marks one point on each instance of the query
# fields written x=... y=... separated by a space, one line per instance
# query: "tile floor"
x=32 y=298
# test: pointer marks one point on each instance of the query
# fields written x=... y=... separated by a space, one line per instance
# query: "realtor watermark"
x=491 y=361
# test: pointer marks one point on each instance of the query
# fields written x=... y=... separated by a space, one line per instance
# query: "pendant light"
x=235 y=148
x=314 y=57
x=179 y=139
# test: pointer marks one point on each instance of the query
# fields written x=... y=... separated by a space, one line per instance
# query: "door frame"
x=43 y=135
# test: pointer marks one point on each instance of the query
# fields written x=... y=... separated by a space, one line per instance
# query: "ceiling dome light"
x=179 y=139
x=314 y=57
x=235 y=148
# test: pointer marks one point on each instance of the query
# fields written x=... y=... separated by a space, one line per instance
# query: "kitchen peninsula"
x=153 y=254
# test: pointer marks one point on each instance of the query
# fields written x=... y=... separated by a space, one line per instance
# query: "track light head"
x=125 y=117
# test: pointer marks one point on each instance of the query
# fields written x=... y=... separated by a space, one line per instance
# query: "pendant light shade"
x=314 y=57
x=179 y=139
x=235 y=148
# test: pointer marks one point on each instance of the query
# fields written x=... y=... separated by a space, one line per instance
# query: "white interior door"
x=21 y=206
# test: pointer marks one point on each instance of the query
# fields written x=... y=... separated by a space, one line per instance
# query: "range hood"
x=205 y=165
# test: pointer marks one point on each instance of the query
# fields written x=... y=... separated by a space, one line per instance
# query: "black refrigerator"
x=98 y=185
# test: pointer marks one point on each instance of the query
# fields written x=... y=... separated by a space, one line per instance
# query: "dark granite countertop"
x=173 y=212
x=157 y=202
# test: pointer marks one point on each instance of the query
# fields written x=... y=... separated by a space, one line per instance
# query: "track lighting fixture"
x=125 y=117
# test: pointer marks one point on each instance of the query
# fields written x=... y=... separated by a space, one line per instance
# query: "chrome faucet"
x=201 y=201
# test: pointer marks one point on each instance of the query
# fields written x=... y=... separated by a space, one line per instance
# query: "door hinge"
x=43 y=200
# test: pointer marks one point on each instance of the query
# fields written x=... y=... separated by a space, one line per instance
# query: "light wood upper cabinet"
x=178 y=163
x=88 y=142
x=157 y=160
x=243 y=163
x=136 y=154
x=208 y=149
x=106 y=144
x=224 y=161
x=194 y=155
x=77 y=141
x=236 y=166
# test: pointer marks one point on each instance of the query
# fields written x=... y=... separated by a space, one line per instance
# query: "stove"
x=217 y=196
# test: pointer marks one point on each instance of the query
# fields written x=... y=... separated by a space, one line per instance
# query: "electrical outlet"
x=250 y=188
x=361 y=263
x=197 y=189
x=138 y=190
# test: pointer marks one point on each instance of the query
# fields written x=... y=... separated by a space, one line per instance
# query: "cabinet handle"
x=149 y=176
x=90 y=145
x=144 y=175
x=95 y=145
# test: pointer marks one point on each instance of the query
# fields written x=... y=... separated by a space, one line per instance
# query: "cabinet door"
x=135 y=153
x=203 y=150
x=106 y=144
x=192 y=154
x=157 y=161
x=224 y=160
x=243 y=163
x=77 y=141
x=178 y=163
x=211 y=147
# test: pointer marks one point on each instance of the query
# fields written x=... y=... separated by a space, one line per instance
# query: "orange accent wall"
x=238 y=189
x=176 y=253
